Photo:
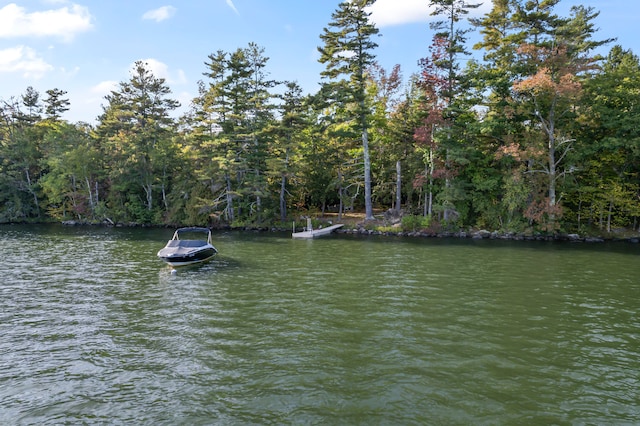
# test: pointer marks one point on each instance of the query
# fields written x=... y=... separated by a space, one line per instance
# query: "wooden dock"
x=312 y=233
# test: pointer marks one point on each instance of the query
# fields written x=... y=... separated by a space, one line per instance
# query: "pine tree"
x=56 y=104
x=138 y=127
x=286 y=136
x=347 y=52
x=230 y=115
x=608 y=145
x=442 y=73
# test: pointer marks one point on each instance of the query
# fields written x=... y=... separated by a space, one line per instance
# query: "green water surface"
x=94 y=329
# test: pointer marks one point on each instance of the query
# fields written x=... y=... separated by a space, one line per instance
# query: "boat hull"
x=182 y=252
x=190 y=258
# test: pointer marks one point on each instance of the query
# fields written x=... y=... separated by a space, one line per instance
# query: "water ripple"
x=95 y=330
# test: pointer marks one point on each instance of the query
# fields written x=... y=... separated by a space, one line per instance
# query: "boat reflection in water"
x=181 y=251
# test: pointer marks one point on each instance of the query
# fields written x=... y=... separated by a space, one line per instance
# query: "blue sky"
x=86 y=47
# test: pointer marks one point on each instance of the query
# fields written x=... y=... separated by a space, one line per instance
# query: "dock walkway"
x=312 y=233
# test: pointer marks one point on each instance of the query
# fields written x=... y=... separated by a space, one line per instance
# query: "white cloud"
x=232 y=6
x=397 y=12
x=98 y=92
x=86 y=104
x=104 y=87
x=181 y=78
x=65 y=22
x=70 y=73
x=161 y=70
x=385 y=13
x=160 y=14
x=23 y=60
x=185 y=99
x=94 y=99
x=346 y=54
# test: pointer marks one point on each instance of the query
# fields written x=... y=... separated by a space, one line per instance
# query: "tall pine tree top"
x=348 y=45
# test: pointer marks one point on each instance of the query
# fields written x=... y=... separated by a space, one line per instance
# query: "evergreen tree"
x=31 y=101
x=231 y=113
x=139 y=130
x=384 y=89
x=55 y=104
x=406 y=117
x=286 y=140
x=347 y=51
x=607 y=148
x=260 y=113
x=441 y=71
x=20 y=155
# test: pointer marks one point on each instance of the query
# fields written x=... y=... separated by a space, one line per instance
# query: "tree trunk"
x=283 y=201
x=283 y=189
x=368 y=205
x=229 y=209
x=425 y=211
x=398 y=186
x=429 y=196
x=90 y=191
x=148 y=189
x=258 y=197
x=340 y=195
x=35 y=196
x=74 y=192
x=165 y=202
x=552 y=176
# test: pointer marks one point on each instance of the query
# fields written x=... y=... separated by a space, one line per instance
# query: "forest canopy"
x=538 y=133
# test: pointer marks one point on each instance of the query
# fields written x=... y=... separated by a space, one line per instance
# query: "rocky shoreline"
x=487 y=235
x=361 y=230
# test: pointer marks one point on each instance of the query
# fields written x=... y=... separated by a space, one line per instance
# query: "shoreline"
x=359 y=229
x=495 y=235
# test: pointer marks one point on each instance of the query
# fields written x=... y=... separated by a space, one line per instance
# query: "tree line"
x=541 y=133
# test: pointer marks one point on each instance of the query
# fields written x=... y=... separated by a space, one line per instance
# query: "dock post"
x=309 y=226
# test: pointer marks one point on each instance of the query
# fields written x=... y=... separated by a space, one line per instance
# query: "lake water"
x=94 y=329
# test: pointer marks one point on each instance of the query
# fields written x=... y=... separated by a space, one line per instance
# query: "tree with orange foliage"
x=550 y=95
x=535 y=90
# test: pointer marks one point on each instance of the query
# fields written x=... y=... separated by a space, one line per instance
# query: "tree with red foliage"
x=432 y=82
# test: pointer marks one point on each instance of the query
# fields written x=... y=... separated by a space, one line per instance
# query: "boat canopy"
x=192 y=229
x=179 y=252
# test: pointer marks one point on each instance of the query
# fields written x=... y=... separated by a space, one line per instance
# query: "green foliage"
x=534 y=137
x=411 y=223
x=347 y=52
